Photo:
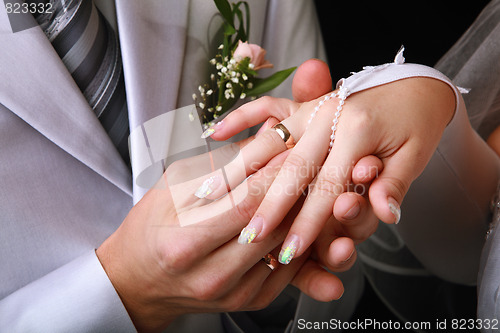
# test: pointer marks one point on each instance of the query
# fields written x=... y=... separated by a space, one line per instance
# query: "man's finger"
x=317 y=283
x=312 y=80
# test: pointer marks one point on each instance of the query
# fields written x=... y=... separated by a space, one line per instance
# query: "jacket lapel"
x=36 y=86
x=153 y=40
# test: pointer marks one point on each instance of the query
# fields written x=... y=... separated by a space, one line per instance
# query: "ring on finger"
x=285 y=135
x=270 y=261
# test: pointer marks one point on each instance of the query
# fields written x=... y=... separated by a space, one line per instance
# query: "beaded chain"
x=342 y=94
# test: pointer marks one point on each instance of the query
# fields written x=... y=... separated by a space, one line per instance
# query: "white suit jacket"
x=64 y=188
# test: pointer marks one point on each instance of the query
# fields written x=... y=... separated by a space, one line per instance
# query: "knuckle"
x=361 y=234
x=400 y=187
x=176 y=259
x=260 y=302
x=272 y=140
x=361 y=119
x=236 y=302
x=245 y=210
x=179 y=171
x=209 y=288
x=293 y=164
x=329 y=186
x=266 y=100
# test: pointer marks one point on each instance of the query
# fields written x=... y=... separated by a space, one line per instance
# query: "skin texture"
x=494 y=140
x=177 y=253
x=399 y=123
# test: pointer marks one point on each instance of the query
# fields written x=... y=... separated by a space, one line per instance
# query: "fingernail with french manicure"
x=211 y=130
x=208 y=187
x=251 y=231
x=288 y=249
x=395 y=209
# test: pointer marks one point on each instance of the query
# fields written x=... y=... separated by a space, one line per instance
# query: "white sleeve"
x=77 y=297
x=446 y=210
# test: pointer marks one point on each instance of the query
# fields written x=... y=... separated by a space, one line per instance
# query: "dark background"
x=360 y=33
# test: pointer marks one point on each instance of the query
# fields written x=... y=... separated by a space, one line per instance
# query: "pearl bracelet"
x=342 y=94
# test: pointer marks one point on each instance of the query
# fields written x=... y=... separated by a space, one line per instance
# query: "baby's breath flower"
x=233 y=67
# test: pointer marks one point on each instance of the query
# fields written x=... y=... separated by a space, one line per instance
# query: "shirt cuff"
x=77 y=297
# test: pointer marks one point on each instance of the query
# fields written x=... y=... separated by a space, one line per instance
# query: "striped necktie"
x=89 y=48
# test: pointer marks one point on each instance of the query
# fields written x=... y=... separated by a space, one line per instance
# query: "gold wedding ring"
x=270 y=261
x=284 y=133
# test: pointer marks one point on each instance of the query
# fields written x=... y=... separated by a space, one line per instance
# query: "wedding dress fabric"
x=474 y=62
x=419 y=267
x=414 y=282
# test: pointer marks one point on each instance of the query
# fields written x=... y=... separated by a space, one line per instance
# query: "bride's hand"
x=400 y=123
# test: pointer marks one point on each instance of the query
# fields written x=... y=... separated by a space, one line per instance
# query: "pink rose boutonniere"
x=254 y=52
x=235 y=68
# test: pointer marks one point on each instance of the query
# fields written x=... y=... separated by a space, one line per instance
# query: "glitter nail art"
x=206 y=188
x=251 y=231
x=287 y=253
x=247 y=235
x=395 y=210
x=211 y=130
x=208 y=133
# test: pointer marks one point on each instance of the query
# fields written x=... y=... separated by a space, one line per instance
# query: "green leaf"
x=229 y=30
x=225 y=9
x=242 y=33
x=261 y=86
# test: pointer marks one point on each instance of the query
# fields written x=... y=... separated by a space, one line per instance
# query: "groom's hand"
x=176 y=253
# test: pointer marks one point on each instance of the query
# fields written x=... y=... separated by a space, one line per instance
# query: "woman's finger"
x=251 y=114
x=312 y=80
x=198 y=231
x=298 y=170
x=334 y=178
